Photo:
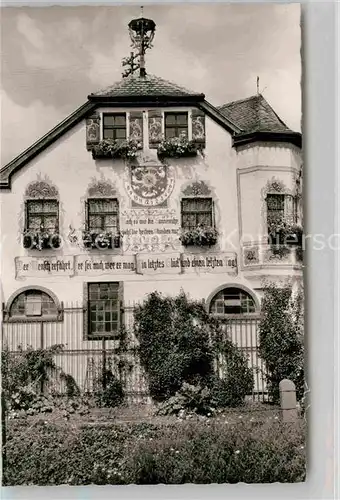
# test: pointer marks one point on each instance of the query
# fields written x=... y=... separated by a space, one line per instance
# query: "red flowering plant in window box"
x=177 y=147
x=200 y=236
x=110 y=148
x=101 y=240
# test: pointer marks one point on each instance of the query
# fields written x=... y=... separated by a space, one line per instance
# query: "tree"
x=281 y=338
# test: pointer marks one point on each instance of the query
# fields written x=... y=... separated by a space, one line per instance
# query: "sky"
x=53 y=57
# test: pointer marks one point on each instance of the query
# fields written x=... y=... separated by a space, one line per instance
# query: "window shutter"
x=92 y=131
x=86 y=215
x=289 y=208
x=136 y=126
x=155 y=128
x=26 y=216
x=121 y=318
x=86 y=314
x=198 y=127
x=213 y=219
x=57 y=221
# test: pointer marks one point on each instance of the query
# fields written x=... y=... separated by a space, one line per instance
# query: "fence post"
x=3 y=430
x=3 y=401
x=42 y=384
x=288 y=401
x=104 y=364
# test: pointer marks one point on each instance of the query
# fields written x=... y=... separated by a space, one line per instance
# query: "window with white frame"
x=42 y=215
x=232 y=301
x=280 y=208
x=196 y=212
x=103 y=215
x=114 y=126
x=33 y=304
x=175 y=125
x=103 y=309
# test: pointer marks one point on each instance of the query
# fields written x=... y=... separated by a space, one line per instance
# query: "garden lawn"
x=222 y=449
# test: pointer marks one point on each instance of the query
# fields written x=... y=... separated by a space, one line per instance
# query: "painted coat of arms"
x=150 y=185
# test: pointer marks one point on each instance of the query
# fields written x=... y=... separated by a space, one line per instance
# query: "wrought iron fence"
x=83 y=360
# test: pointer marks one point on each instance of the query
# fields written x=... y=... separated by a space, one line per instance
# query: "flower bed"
x=126 y=149
x=177 y=147
x=200 y=236
x=92 y=239
x=205 y=451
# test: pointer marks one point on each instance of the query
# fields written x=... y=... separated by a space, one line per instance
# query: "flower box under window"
x=177 y=147
x=116 y=149
x=102 y=223
x=200 y=236
x=93 y=239
x=41 y=240
x=284 y=233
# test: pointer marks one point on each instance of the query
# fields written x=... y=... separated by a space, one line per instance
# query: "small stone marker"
x=288 y=401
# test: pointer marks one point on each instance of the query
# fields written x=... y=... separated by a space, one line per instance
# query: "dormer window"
x=176 y=125
x=114 y=126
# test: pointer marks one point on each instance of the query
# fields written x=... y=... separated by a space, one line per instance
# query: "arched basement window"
x=33 y=304
x=232 y=301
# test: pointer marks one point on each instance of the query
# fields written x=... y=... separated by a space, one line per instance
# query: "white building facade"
x=147 y=187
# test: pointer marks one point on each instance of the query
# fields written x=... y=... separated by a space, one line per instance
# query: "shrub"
x=229 y=391
x=237 y=378
x=31 y=367
x=174 y=336
x=189 y=398
x=179 y=342
x=108 y=390
x=281 y=343
x=24 y=375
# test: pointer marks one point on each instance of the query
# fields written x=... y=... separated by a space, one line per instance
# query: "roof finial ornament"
x=258 y=85
x=142 y=32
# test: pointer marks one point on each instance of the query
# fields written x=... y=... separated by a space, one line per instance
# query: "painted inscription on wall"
x=36 y=267
x=118 y=265
x=177 y=263
x=209 y=263
x=150 y=230
x=88 y=265
x=159 y=264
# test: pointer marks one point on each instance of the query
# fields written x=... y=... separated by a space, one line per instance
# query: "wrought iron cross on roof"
x=131 y=63
x=142 y=32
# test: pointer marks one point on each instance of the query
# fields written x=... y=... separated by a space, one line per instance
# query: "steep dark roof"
x=253 y=114
x=149 y=85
